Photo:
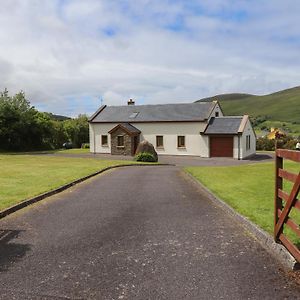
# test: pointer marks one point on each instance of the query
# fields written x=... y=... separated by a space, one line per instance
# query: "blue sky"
x=67 y=54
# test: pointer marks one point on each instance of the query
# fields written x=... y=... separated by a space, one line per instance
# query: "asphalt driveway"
x=134 y=233
x=180 y=160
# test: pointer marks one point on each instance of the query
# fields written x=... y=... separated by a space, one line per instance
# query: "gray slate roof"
x=130 y=128
x=224 y=125
x=154 y=113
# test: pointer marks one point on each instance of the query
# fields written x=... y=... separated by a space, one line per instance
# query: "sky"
x=69 y=56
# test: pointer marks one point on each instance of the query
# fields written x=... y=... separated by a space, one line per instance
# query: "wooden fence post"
x=278 y=185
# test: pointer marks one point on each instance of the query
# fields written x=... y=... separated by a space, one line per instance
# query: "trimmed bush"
x=85 y=146
x=145 y=157
x=146 y=147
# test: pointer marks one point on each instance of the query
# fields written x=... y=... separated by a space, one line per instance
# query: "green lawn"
x=73 y=151
x=25 y=176
x=249 y=189
x=66 y=151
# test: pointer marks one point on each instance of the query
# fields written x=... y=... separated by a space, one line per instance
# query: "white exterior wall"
x=240 y=140
x=248 y=131
x=236 y=147
x=216 y=109
x=195 y=143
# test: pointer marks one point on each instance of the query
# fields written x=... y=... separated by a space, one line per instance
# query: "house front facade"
x=198 y=129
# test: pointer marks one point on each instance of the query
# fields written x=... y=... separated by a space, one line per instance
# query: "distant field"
x=290 y=128
x=249 y=189
x=280 y=106
x=25 y=176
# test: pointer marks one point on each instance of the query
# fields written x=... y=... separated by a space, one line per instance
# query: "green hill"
x=225 y=97
x=281 y=106
x=57 y=117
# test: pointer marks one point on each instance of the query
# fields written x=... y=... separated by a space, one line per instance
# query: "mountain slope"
x=280 y=106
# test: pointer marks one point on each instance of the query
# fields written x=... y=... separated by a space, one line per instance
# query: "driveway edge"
x=276 y=250
x=40 y=197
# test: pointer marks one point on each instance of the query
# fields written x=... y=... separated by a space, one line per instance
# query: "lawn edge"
x=265 y=239
x=7 y=211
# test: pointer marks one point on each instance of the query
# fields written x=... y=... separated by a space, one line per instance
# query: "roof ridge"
x=228 y=117
x=162 y=104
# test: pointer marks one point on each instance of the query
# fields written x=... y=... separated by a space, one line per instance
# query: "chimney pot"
x=130 y=102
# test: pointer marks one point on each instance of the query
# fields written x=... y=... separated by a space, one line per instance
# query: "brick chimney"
x=130 y=102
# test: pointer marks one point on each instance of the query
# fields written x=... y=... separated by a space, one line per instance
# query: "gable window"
x=104 y=141
x=159 y=141
x=248 y=142
x=216 y=114
x=181 y=141
x=120 y=141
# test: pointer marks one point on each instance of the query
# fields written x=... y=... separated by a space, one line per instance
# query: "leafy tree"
x=22 y=127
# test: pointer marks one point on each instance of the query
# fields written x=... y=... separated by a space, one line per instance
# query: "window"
x=181 y=141
x=216 y=114
x=133 y=115
x=120 y=141
x=104 y=140
x=248 y=145
x=159 y=141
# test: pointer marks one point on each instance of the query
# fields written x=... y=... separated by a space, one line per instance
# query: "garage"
x=221 y=146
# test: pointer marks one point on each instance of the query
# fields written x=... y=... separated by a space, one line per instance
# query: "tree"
x=22 y=127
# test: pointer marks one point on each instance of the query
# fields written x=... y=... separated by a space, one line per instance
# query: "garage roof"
x=153 y=113
x=224 y=125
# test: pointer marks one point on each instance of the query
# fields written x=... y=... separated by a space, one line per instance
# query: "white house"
x=198 y=129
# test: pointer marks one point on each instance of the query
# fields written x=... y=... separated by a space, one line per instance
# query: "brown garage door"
x=221 y=146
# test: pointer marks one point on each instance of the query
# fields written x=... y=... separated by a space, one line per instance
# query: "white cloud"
x=66 y=54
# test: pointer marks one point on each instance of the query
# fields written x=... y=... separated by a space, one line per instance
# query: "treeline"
x=24 y=128
x=284 y=142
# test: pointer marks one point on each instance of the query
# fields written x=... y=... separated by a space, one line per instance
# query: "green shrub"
x=85 y=146
x=264 y=143
x=145 y=156
x=285 y=142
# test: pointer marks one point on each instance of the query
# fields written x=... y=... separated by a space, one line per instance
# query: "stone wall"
x=128 y=143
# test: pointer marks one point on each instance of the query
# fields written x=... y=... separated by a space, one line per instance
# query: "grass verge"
x=25 y=176
x=249 y=189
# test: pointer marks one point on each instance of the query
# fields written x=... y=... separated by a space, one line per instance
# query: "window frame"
x=162 y=140
x=248 y=145
x=120 y=146
x=104 y=144
x=184 y=142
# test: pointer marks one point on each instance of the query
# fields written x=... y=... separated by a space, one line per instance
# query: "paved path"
x=134 y=233
x=179 y=160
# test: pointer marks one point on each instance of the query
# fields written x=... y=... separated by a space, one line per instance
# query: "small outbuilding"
x=231 y=136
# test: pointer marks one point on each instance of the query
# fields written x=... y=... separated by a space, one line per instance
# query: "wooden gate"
x=284 y=202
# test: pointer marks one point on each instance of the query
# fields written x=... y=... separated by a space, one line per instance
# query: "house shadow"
x=10 y=252
x=261 y=157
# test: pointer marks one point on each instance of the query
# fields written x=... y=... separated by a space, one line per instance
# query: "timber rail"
x=286 y=201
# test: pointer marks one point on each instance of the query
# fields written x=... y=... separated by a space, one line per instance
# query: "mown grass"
x=25 y=176
x=66 y=151
x=249 y=189
x=73 y=151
